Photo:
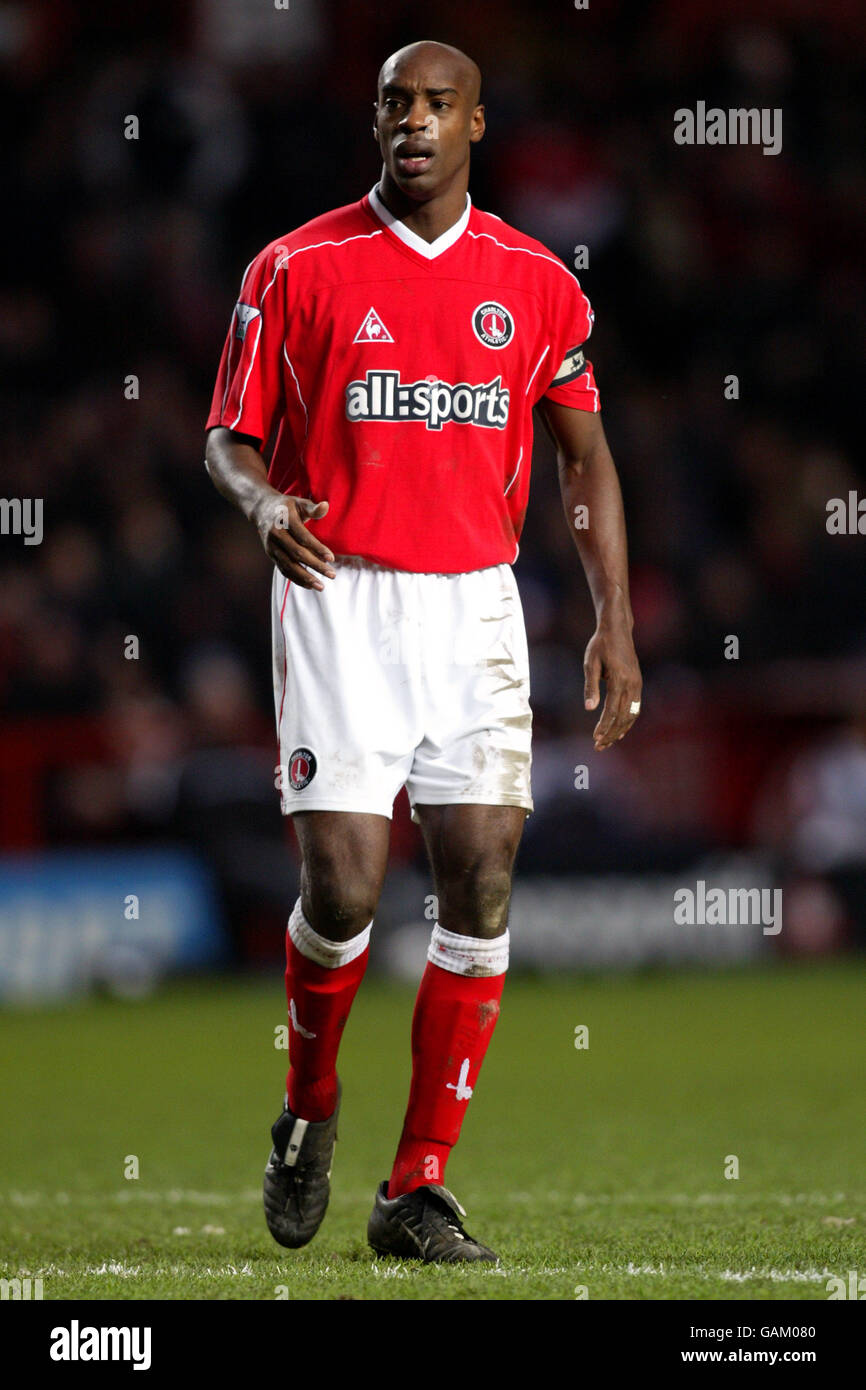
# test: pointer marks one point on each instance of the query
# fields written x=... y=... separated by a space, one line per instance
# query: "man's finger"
x=313 y=511
x=300 y=544
x=601 y=734
x=296 y=573
x=304 y=538
x=630 y=709
x=592 y=675
x=290 y=518
x=621 y=718
x=310 y=510
x=612 y=722
x=297 y=552
x=621 y=695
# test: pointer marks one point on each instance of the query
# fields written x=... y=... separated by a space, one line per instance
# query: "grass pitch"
x=599 y=1169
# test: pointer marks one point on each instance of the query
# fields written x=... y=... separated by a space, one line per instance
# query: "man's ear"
x=479 y=125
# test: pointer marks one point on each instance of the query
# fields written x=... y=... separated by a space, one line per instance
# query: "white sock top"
x=330 y=954
x=468 y=955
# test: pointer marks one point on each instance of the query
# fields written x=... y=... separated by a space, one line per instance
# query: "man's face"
x=426 y=118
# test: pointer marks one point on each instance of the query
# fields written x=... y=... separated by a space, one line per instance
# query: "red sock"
x=452 y=1025
x=319 y=999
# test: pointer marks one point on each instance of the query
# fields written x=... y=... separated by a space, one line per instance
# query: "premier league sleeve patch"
x=245 y=313
x=573 y=365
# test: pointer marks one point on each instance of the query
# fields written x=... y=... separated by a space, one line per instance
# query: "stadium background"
x=139 y=824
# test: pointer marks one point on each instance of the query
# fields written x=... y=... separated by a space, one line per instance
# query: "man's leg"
x=472 y=850
x=345 y=855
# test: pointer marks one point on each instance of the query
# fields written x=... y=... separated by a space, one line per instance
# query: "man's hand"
x=237 y=470
x=610 y=655
x=295 y=551
x=590 y=488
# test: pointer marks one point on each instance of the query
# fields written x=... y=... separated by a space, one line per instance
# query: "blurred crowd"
x=703 y=264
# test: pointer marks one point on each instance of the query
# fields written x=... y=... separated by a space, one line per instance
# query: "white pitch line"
x=631 y=1270
x=733 y=1199
x=776 y=1276
x=177 y=1196
x=117 y=1269
x=125 y=1196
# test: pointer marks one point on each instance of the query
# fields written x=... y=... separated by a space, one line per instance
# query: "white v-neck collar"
x=428 y=249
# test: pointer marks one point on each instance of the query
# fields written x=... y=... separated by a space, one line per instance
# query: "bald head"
x=428 y=115
x=462 y=73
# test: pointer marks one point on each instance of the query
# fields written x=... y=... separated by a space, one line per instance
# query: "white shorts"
x=390 y=679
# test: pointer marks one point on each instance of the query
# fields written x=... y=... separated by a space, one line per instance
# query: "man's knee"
x=336 y=904
x=344 y=858
x=474 y=896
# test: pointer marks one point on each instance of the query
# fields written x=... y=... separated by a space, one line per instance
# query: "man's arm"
x=588 y=478
x=239 y=472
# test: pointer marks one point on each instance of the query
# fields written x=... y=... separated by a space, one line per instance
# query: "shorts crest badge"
x=302 y=768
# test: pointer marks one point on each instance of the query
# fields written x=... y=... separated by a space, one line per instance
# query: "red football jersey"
x=401 y=377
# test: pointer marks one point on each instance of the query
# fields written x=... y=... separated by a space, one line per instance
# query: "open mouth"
x=412 y=160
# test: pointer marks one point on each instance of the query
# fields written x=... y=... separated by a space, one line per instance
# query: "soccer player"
x=397 y=347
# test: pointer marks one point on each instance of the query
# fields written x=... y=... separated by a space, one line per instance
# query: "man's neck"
x=428 y=220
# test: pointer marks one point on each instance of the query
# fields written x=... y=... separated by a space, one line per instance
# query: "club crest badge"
x=302 y=768
x=492 y=324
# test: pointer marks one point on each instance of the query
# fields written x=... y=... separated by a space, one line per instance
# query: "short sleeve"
x=572 y=382
x=248 y=395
